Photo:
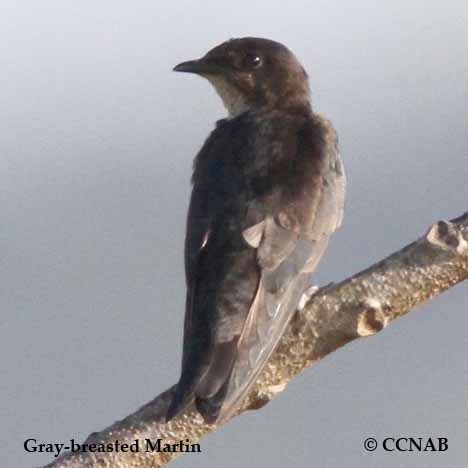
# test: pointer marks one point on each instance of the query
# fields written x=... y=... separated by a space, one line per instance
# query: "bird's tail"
x=210 y=408
x=208 y=385
x=180 y=400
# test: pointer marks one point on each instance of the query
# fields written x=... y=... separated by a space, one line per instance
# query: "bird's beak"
x=200 y=67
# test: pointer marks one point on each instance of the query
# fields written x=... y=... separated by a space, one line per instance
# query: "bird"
x=268 y=190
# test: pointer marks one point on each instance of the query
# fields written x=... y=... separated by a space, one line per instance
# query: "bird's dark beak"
x=201 y=67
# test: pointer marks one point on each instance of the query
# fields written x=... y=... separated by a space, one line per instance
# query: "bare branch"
x=337 y=314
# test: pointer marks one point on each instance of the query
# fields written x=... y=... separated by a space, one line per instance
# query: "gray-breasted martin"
x=268 y=191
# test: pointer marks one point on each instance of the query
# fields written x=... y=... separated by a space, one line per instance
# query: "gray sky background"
x=96 y=145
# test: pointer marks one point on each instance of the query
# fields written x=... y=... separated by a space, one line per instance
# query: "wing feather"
x=287 y=259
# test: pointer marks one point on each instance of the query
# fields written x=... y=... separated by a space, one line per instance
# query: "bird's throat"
x=233 y=100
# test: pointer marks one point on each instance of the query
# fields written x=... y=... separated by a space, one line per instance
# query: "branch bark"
x=337 y=314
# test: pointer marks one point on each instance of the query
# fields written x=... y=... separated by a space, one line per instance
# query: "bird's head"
x=253 y=73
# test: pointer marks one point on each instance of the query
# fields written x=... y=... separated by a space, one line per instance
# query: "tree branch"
x=337 y=314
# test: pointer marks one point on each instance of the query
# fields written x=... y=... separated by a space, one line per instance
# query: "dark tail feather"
x=181 y=399
x=210 y=408
x=184 y=393
x=208 y=384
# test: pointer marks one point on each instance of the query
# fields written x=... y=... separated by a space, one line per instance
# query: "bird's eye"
x=252 y=61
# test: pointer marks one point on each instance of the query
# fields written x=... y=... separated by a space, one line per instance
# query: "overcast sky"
x=97 y=137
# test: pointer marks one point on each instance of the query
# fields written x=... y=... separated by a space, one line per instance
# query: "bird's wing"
x=287 y=255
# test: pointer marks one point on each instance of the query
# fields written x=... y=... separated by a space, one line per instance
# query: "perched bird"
x=268 y=191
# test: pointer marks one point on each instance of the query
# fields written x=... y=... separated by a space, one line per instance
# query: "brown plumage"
x=268 y=190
